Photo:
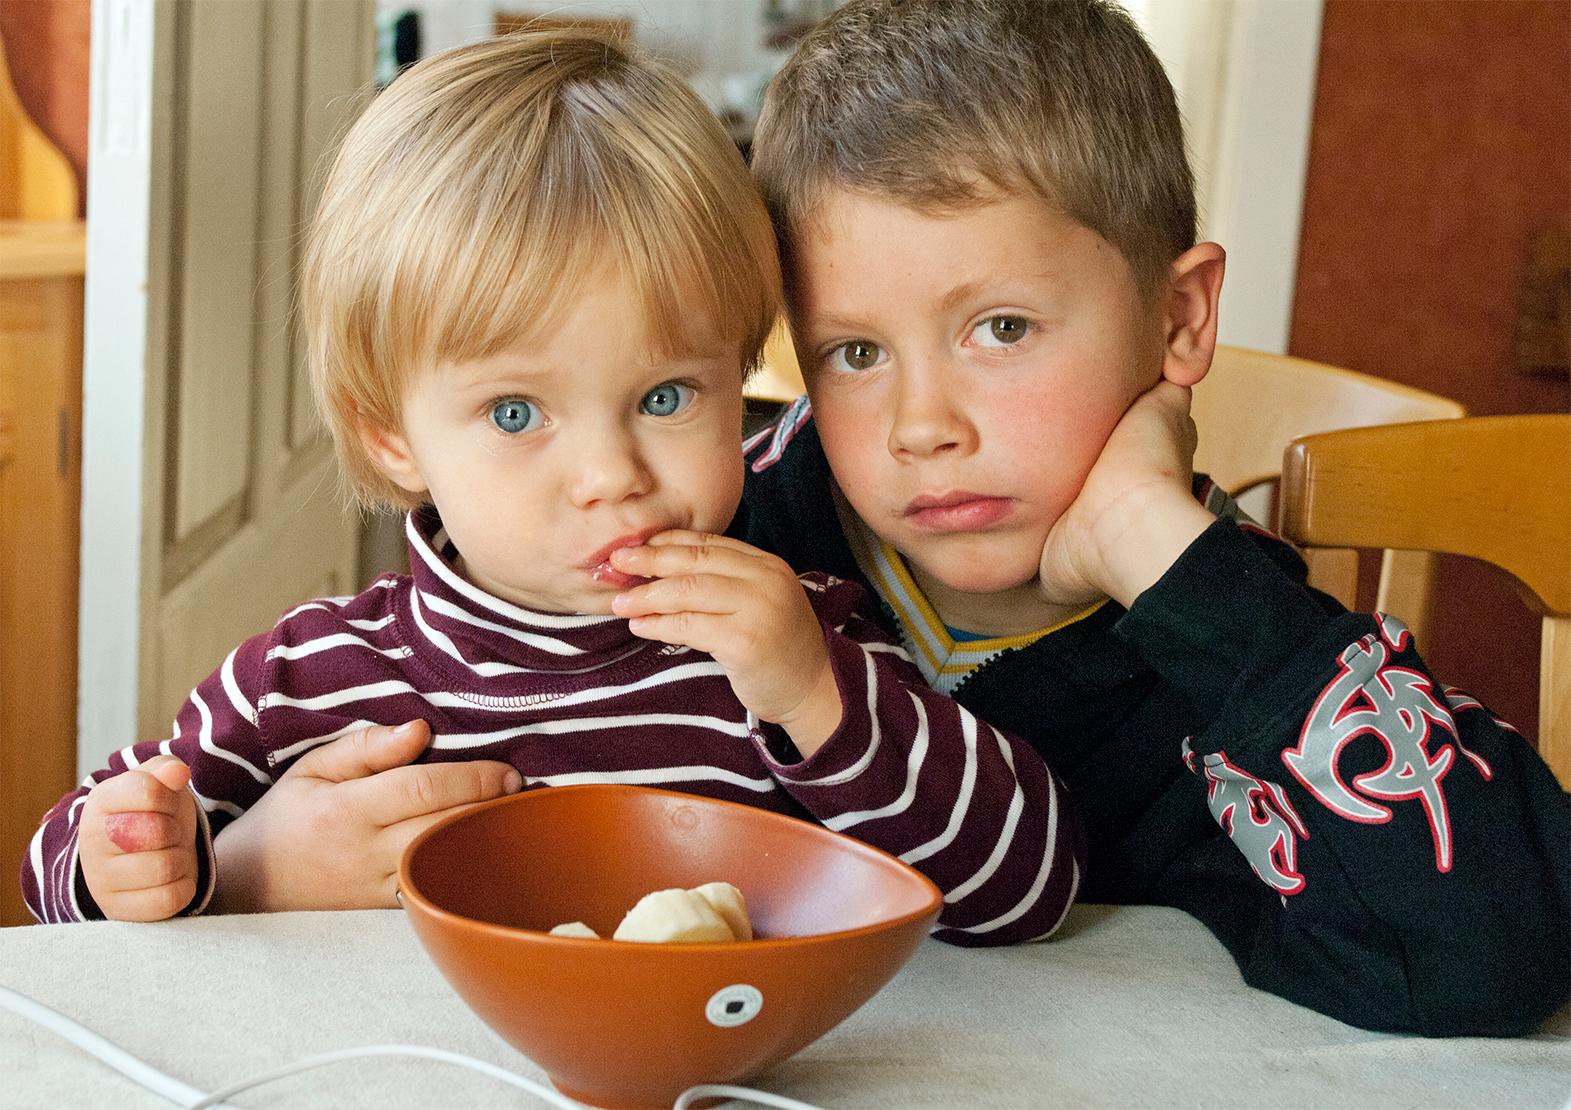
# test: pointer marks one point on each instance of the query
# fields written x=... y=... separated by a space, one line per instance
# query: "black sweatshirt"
x=1363 y=839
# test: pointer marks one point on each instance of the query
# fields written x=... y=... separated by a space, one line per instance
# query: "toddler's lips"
x=599 y=564
x=609 y=575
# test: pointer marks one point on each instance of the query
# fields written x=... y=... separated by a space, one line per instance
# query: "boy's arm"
x=912 y=772
x=1410 y=853
x=215 y=734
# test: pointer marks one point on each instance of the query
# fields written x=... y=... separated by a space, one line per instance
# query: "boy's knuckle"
x=423 y=789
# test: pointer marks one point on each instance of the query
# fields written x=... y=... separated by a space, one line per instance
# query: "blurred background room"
x=1391 y=179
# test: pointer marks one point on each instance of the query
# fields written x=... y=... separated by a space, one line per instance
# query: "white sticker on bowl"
x=737 y=1004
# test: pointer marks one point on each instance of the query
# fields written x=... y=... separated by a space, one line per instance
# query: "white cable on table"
x=184 y=1095
x=110 y=1053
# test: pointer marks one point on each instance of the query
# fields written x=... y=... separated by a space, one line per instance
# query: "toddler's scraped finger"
x=142 y=830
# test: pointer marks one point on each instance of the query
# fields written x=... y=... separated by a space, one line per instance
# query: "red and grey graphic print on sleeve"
x=1408 y=850
x=914 y=773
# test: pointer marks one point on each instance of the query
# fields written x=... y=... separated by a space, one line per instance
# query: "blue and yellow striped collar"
x=944 y=662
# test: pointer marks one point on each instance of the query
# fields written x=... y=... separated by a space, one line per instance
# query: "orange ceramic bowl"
x=624 y=1024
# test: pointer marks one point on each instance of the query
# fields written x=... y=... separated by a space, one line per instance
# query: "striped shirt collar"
x=485 y=635
x=944 y=662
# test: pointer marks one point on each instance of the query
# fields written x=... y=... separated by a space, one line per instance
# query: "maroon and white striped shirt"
x=568 y=698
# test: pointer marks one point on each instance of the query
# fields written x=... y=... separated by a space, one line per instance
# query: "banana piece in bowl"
x=728 y=902
x=714 y=913
x=673 y=917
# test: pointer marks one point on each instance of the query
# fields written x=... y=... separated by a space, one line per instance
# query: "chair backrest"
x=1252 y=404
x=1495 y=488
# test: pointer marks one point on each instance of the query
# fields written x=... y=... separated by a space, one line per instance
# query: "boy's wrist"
x=1146 y=540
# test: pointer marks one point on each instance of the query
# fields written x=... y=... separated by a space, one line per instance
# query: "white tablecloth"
x=1126 y=1007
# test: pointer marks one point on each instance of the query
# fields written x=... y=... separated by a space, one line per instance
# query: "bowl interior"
x=588 y=853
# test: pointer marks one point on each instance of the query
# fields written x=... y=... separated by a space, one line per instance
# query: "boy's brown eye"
x=860 y=354
x=1007 y=329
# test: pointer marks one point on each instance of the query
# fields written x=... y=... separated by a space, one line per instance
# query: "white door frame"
x=1245 y=73
x=118 y=295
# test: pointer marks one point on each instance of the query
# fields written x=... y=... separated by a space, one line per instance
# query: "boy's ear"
x=1189 y=313
x=389 y=452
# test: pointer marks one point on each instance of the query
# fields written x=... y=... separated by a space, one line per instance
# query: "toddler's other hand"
x=1135 y=513
x=138 y=842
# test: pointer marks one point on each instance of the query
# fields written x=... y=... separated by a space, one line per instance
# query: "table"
x=1130 y=1006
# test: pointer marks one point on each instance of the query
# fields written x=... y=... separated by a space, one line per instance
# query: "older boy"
x=988 y=229
x=535 y=278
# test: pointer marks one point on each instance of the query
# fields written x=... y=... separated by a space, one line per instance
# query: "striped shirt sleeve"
x=914 y=773
x=216 y=735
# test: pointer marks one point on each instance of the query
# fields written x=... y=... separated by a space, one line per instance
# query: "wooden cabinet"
x=41 y=266
x=42 y=261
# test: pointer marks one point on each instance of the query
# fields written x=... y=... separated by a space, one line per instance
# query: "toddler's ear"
x=1193 y=288
x=389 y=452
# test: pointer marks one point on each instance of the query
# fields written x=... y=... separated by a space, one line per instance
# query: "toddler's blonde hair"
x=483 y=186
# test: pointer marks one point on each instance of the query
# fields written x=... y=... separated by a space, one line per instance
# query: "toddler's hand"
x=138 y=842
x=1135 y=513
x=746 y=608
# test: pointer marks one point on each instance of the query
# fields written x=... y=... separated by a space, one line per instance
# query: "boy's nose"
x=928 y=419
x=610 y=468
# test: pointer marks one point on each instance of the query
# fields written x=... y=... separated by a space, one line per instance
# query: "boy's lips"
x=957 y=511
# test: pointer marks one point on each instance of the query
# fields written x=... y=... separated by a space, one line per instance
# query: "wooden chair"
x=1252 y=404
x=1495 y=488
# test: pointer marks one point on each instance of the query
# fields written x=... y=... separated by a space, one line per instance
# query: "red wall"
x=47 y=49
x=1441 y=142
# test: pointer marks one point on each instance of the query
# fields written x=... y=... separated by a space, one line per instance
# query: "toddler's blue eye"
x=514 y=415
x=667 y=399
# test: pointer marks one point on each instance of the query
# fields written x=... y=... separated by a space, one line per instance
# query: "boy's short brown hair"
x=475 y=194
x=940 y=103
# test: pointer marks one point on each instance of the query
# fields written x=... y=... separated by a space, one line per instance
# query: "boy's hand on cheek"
x=746 y=608
x=330 y=832
x=138 y=843
x=1135 y=513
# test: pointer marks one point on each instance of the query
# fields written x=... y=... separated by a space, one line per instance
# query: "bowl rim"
x=406 y=892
